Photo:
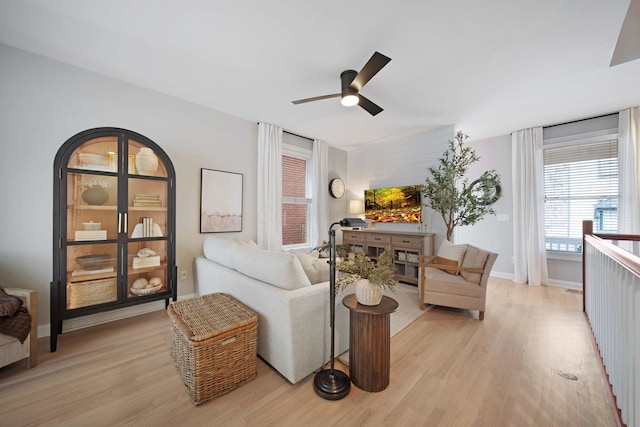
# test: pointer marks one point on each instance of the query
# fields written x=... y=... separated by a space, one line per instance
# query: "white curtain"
x=629 y=176
x=319 y=206
x=269 y=227
x=529 y=253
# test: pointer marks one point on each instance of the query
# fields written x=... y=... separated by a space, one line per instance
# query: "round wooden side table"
x=370 y=342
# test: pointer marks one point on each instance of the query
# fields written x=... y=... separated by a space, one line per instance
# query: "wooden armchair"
x=11 y=349
x=463 y=286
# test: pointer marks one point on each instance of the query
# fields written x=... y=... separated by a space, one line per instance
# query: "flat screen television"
x=394 y=204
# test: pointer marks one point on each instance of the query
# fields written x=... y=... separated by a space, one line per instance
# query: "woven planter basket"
x=367 y=293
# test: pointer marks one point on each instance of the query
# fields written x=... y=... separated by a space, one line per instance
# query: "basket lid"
x=210 y=315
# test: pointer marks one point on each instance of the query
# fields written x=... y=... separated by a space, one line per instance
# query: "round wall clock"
x=336 y=188
x=486 y=193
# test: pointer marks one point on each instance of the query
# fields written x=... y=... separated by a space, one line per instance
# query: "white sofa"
x=293 y=315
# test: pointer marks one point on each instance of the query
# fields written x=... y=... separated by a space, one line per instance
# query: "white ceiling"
x=490 y=67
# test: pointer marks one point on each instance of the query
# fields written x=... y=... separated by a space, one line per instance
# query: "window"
x=296 y=192
x=580 y=182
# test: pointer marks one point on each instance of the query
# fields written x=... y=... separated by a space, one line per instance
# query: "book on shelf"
x=147 y=203
x=140 y=199
x=141 y=196
x=151 y=261
x=91 y=235
x=147 y=227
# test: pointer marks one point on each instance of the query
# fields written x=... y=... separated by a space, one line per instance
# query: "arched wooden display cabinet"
x=113 y=225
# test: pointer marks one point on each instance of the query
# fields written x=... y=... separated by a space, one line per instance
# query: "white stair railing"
x=612 y=306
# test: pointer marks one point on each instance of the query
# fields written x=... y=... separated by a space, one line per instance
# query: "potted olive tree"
x=448 y=192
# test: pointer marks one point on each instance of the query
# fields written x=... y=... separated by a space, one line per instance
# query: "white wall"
x=489 y=233
x=495 y=153
x=401 y=162
x=44 y=102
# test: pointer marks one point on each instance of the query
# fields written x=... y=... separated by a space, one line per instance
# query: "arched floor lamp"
x=332 y=384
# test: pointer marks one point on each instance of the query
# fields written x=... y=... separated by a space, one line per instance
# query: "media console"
x=407 y=248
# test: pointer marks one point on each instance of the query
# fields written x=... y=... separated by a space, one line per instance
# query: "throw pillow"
x=249 y=243
x=306 y=261
x=450 y=254
x=322 y=269
x=473 y=258
x=316 y=269
x=9 y=304
x=275 y=268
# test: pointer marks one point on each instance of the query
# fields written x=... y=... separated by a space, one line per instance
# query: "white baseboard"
x=107 y=316
x=552 y=282
x=501 y=275
x=576 y=286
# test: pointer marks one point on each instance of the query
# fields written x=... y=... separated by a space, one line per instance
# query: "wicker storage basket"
x=91 y=292
x=213 y=344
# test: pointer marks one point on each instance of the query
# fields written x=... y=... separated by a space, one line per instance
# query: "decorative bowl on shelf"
x=146 y=291
x=94 y=262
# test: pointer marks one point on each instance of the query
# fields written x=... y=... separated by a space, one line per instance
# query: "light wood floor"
x=447 y=369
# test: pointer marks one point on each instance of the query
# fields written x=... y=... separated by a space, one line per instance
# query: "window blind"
x=580 y=182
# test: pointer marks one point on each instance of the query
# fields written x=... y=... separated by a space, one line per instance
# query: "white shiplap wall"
x=400 y=162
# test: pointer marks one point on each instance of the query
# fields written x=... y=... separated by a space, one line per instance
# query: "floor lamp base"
x=331 y=386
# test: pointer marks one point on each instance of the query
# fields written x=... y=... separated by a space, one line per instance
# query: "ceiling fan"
x=628 y=44
x=352 y=82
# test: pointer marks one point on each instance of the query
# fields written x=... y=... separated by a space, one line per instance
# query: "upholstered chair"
x=11 y=349
x=458 y=284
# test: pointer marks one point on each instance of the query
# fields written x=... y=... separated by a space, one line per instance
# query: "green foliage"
x=379 y=274
x=447 y=190
x=323 y=249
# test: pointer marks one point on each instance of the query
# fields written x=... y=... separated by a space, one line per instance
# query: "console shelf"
x=406 y=249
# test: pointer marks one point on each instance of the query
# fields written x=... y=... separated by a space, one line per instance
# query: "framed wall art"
x=220 y=201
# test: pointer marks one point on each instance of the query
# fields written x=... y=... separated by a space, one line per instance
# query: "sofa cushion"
x=280 y=269
x=450 y=254
x=316 y=269
x=220 y=250
x=473 y=258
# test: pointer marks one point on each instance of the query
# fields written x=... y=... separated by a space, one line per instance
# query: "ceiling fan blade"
x=316 y=98
x=368 y=105
x=370 y=69
x=628 y=45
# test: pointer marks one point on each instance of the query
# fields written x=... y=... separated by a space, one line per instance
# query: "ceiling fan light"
x=350 y=100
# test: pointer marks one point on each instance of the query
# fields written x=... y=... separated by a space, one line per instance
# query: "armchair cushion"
x=445 y=283
x=450 y=254
x=473 y=258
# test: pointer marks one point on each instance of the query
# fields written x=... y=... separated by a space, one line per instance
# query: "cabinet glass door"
x=147 y=198
x=92 y=224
